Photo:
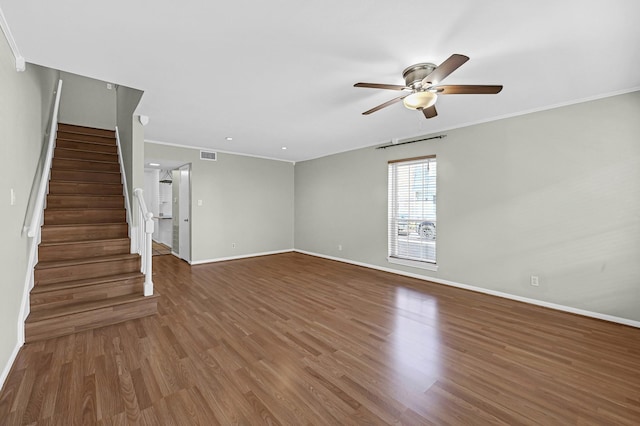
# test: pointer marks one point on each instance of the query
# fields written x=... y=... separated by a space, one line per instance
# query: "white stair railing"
x=125 y=192
x=33 y=227
x=36 y=218
x=144 y=230
x=141 y=224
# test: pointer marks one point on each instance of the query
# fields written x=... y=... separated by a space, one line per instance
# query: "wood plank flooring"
x=292 y=339
x=159 y=249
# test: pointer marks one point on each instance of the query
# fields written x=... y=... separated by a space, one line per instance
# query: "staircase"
x=86 y=276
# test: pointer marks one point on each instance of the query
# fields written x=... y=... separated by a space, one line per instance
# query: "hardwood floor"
x=293 y=339
x=159 y=249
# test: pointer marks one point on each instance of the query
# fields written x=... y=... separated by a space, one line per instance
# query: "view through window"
x=412 y=209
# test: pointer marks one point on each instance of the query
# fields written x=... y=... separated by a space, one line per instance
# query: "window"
x=412 y=212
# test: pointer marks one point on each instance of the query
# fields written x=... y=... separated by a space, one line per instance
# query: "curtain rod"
x=415 y=140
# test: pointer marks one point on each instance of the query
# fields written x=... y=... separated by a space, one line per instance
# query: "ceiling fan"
x=422 y=79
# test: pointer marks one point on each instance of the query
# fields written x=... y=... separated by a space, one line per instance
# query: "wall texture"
x=26 y=102
x=246 y=201
x=553 y=193
x=131 y=137
x=87 y=102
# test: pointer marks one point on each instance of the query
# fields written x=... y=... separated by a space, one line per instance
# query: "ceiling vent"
x=208 y=155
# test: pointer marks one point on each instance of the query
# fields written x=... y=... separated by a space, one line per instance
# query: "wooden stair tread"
x=62 y=153
x=85 y=282
x=83 y=224
x=45 y=314
x=87 y=195
x=77 y=209
x=85 y=160
x=85 y=200
x=66 y=243
x=63 y=143
x=90 y=183
x=88 y=171
x=85 y=130
x=108 y=141
x=86 y=137
x=85 y=260
x=63 y=149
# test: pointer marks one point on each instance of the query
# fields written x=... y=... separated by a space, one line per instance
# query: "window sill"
x=413 y=263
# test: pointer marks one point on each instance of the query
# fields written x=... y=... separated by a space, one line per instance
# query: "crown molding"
x=156 y=142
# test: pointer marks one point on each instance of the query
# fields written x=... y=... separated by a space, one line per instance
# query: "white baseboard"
x=542 y=303
x=242 y=256
x=9 y=364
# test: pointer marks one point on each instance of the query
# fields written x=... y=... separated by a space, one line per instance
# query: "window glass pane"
x=412 y=210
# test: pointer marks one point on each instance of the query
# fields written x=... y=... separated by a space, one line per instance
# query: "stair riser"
x=71 y=217
x=80 y=201
x=94 y=147
x=63 y=163
x=62 y=127
x=76 y=154
x=86 y=270
x=84 y=233
x=77 y=188
x=74 y=323
x=80 y=176
x=67 y=297
x=86 y=138
x=80 y=250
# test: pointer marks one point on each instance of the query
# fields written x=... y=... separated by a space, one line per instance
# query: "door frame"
x=184 y=209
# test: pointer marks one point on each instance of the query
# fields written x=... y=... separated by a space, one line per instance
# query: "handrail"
x=127 y=203
x=144 y=231
x=36 y=219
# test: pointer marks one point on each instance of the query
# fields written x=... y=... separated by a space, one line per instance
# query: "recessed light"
x=284 y=147
x=229 y=138
x=154 y=164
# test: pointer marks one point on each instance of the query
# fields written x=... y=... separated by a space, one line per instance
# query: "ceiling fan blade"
x=461 y=89
x=430 y=112
x=447 y=67
x=384 y=105
x=381 y=86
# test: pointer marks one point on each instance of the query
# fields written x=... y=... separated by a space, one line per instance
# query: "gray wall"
x=26 y=101
x=554 y=194
x=131 y=137
x=87 y=102
x=245 y=200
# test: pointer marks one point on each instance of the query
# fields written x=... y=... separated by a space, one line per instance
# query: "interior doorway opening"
x=167 y=193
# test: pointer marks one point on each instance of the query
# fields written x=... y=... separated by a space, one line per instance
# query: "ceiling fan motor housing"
x=414 y=74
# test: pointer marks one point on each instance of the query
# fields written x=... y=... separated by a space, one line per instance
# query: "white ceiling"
x=281 y=73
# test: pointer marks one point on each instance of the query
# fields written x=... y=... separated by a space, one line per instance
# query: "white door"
x=184 y=214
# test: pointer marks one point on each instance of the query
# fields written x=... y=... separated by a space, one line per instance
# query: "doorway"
x=182 y=220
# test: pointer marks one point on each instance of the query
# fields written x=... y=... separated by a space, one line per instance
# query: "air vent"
x=208 y=155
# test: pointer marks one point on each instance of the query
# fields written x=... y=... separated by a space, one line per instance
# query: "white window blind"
x=412 y=209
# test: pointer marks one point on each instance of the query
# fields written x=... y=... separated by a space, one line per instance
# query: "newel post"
x=148 y=258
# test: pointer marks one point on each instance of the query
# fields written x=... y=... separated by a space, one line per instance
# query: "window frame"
x=392 y=221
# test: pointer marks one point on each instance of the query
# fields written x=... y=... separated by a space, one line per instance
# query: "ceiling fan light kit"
x=422 y=79
x=420 y=100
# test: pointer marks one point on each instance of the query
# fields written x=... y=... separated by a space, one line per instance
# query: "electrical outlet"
x=13 y=197
x=233 y=245
x=199 y=203
x=535 y=281
x=339 y=247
